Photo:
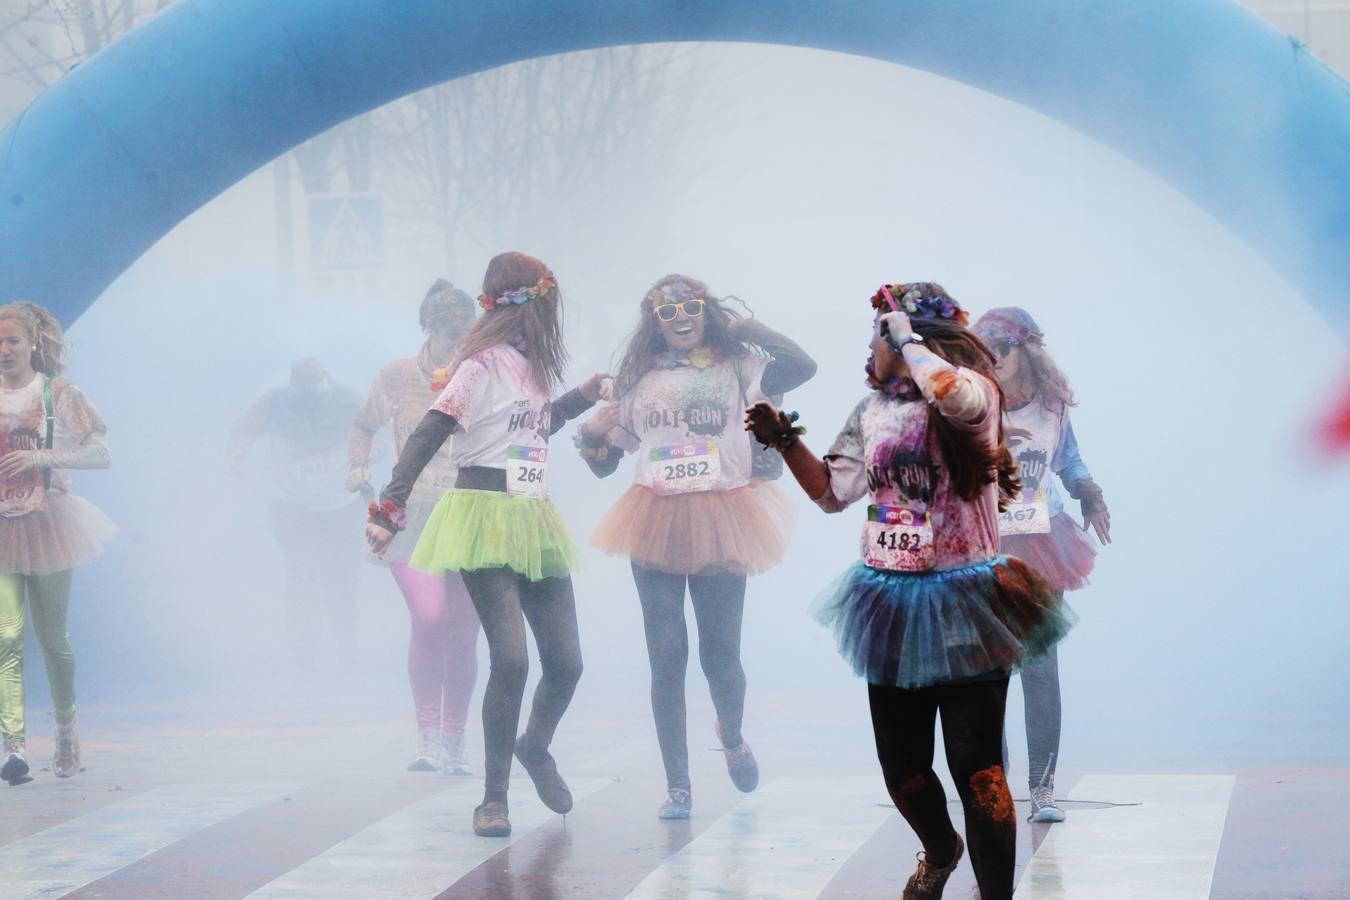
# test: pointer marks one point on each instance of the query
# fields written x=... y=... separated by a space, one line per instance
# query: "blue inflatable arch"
x=1204 y=94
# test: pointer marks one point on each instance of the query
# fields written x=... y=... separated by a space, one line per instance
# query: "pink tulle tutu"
x=1064 y=557
x=744 y=530
x=68 y=533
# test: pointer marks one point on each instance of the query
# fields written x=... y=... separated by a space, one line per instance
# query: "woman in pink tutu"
x=694 y=516
x=47 y=427
x=1038 y=529
x=443 y=646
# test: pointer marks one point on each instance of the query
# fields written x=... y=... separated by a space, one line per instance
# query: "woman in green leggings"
x=46 y=427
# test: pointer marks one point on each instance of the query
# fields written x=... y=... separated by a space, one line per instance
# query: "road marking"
x=68 y=856
x=420 y=850
x=1163 y=849
x=786 y=840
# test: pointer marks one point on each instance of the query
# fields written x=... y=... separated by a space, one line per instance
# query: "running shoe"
x=490 y=820
x=928 y=880
x=741 y=765
x=66 y=762
x=1043 y=808
x=543 y=771
x=452 y=746
x=677 y=806
x=430 y=754
x=15 y=768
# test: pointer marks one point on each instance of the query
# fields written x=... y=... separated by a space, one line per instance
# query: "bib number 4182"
x=898 y=539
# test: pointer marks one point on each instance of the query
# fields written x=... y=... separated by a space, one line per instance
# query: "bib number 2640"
x=526 y=471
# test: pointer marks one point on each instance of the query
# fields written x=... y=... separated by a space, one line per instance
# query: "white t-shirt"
x=685 y=425
x=498 y=404
x=1037 y=455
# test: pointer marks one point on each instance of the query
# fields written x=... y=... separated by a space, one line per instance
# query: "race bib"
x=686 y=468
x=898 y=539
x=526 y=468
x=1030 y=515
x=23 y=493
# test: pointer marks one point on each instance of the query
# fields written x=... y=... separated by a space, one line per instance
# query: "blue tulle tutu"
x=915 y=630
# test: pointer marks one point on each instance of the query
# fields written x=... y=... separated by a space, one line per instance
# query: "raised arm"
x=791 y=366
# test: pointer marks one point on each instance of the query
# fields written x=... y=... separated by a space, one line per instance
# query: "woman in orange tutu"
x=694 y=516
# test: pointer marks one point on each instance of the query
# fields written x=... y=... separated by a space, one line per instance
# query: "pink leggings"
x=443 y=651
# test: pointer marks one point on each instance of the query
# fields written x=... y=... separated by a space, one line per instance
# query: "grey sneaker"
x=1043 y=808
x=741 y=764
x=430 y=754
x=928 y=880
x=677 y=806
x=453 y=755
x=66 y=762
x=15 y=768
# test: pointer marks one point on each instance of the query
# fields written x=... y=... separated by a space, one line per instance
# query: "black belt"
x=481 y=478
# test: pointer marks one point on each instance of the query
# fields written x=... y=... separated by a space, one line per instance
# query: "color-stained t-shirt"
x=498 y=405
x=1051 y=448
x=883 y=451
x=399 y=397
x=23 y=426
x=680 y=418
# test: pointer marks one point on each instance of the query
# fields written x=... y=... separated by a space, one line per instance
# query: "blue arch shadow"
x=106 y=162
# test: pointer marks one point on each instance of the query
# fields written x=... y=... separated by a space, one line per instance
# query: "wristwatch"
x=897 y=343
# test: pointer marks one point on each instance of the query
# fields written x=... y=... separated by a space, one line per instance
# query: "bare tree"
x=482 y=156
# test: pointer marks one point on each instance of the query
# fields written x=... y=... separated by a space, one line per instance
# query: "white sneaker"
x=66 y=762
x=1043 y=808
x=430 y=754
x=452 y=748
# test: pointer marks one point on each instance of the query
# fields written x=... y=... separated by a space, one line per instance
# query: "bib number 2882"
x=898 y=539
x=526 y=471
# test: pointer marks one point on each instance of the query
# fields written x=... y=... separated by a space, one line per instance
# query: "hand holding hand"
x=600 y=424
x=378 y=538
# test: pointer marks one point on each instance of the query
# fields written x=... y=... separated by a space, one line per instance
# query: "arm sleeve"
x=1068 y=463
x=78 y=416
x=370 y=418
x=422 y=445
x=567 y=407
x=847 y=466
x=791 y=366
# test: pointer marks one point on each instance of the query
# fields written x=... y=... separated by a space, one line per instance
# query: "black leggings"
x=972 y=731
x=505 y=601
x=719 y=605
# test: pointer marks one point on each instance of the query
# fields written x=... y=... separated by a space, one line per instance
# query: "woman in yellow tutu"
x=694 y=516
x=496 y=526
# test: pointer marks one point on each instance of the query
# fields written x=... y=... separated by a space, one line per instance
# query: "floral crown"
x=1010 y=324
x=914 y=304
x=675 y=292
x=519 y=295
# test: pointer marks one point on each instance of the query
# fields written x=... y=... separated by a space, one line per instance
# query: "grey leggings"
x=1040 y=694
x=505 y=601
x=719 y=605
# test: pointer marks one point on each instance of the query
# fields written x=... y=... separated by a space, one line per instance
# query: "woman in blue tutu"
x=932 y=615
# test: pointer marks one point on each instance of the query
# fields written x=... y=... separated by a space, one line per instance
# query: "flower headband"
x=915 y=305
x=519 y=295
x=675 y=292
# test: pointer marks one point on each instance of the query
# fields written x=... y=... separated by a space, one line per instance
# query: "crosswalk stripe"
x=1165 y=848
x=786 y=840
x=418 y=851
x=70 y=855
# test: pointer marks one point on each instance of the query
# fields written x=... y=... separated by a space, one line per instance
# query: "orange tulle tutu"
x=744 y=530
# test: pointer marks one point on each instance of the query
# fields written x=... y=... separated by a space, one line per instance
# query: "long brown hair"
x=647 y=341
x=49 y=341
x=970 y=465
x=537 y=321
